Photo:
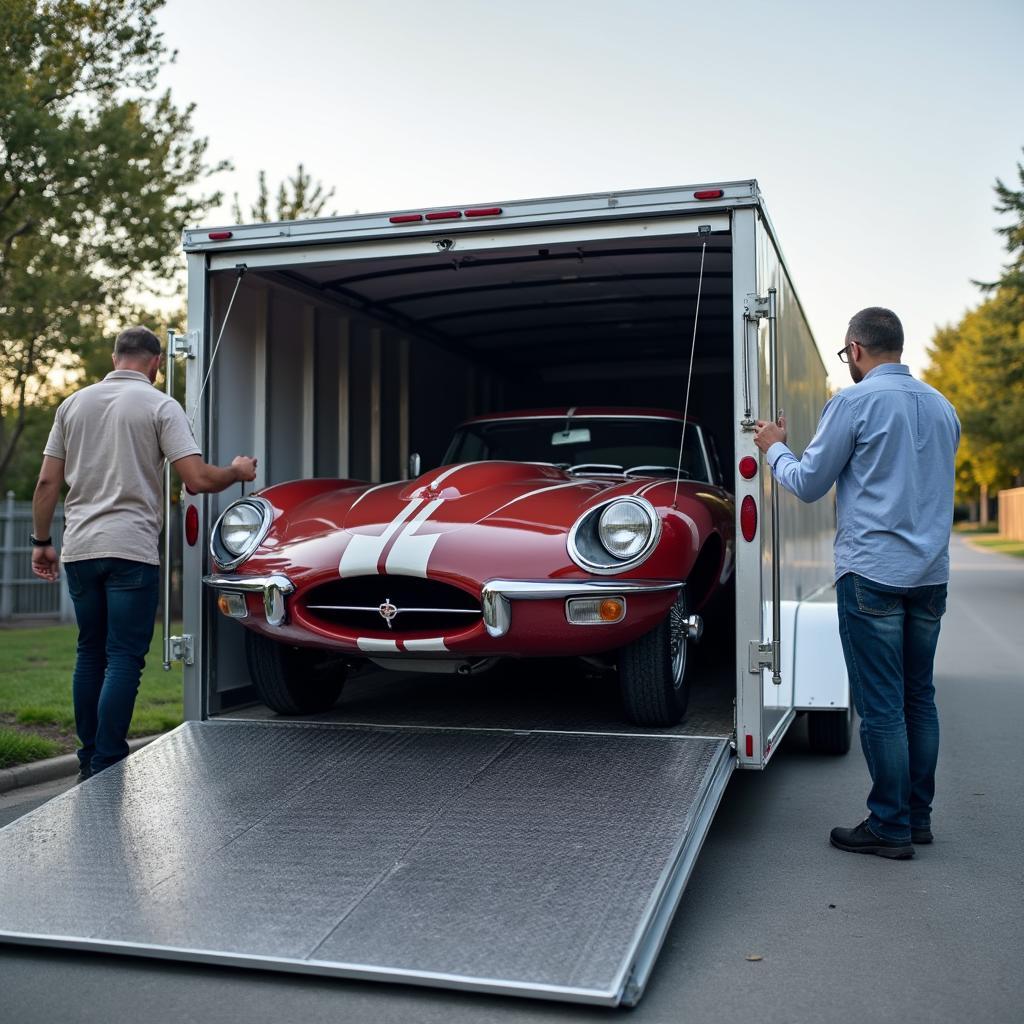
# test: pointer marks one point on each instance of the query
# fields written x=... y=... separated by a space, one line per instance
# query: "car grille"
x=414 y=605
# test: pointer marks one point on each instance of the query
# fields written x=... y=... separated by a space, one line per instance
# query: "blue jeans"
x=889 y=636
x=115 y=605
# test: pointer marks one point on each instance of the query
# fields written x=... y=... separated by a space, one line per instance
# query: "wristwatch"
x=37 y=543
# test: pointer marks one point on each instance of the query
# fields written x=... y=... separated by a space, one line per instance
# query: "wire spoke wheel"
x=678 y=641
x=652 y=671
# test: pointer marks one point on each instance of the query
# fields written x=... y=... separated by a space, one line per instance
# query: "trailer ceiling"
x=551 y=306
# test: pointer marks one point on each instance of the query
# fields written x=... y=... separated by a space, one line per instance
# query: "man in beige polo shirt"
x=109 y=442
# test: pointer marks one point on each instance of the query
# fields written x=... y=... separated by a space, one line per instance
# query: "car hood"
x=521 y=494
x=474 y=520
x=513 y=494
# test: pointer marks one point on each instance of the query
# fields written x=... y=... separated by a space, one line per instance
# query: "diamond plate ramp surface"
x=504 y=862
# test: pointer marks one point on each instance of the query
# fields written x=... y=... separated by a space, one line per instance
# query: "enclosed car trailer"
x=503 y=834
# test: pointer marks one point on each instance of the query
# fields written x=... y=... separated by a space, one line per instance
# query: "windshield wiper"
x=602 y=468
x=669 y=471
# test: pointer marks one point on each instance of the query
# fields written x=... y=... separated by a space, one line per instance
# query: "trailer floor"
x=551 y=695
x=544 y=864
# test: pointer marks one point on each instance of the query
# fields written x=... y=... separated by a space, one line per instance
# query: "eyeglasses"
x=844 y=354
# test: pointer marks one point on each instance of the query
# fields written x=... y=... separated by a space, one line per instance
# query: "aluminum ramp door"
x=539 y=864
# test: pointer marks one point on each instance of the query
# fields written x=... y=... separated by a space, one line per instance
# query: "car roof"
x=582 y=412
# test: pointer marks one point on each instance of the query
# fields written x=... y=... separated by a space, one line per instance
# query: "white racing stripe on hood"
x=453 y=469
x=363 y=551
x=411 y=552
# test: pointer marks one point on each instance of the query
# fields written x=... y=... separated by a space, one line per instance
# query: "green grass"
x=1001 y=544
x=35 y=691
x=19 y=748
x=972 y=528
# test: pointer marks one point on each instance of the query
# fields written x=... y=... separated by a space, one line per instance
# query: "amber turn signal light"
x=595 y=611
x=232 y=605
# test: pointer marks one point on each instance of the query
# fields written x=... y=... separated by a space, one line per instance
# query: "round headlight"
x=238 y=527
x=624 y=528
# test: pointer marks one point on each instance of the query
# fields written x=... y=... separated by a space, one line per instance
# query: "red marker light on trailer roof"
x=748 y=518
x=406 y=218
x=445 y=215
x=709 y=193
x=219 y=236
x=748 y=467
x=484 y=211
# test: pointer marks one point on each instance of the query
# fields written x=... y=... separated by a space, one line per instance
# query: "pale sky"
x=875 y=130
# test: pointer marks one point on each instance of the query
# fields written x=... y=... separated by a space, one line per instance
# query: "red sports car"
x=547 y=532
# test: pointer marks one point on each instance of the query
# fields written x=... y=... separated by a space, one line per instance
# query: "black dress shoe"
x=921 y=836
x=83 y=775
x=862 y=840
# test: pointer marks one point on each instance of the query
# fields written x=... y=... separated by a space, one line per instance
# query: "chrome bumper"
x=497 y=595
x=274 y=589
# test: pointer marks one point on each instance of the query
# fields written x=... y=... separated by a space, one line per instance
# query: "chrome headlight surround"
x=224 y=556
x=587 y=550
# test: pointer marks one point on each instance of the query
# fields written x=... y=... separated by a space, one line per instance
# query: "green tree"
x=1011 y=281
x=297 y=198
x=979 y=365
x=99 y=172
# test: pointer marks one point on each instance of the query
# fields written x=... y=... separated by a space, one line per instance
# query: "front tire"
x=652 y=671
x=830 y=732
x=293 y=680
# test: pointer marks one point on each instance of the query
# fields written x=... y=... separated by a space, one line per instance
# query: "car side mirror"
x=415 y=465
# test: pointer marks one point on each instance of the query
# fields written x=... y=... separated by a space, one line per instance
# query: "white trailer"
x=511 y=837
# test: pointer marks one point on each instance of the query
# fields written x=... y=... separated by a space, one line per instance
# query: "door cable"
x=242 y=268
x=704 y=230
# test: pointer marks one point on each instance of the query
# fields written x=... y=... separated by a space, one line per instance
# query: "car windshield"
x=650 y=447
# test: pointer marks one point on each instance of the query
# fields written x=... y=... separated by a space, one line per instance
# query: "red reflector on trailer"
x=748 y=518
x=709 y=193
x=485 y=211
x=406 y=218
x=219 y=236
x=445 y=215
x=748 y=467
x=750 y=745
x=191 y=525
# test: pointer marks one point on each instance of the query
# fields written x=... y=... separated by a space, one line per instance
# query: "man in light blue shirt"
x=888 y=445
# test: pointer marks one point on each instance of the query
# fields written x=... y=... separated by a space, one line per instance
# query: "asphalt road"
x=841 y=937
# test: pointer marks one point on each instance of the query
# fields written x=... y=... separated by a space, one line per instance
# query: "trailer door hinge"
x=766 y=655
x=182 y=649
x=760 y=655
x=755 y=306
x=186 y=345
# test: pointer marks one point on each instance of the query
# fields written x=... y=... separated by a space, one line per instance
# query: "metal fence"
x=1011 y=513
x=22 y=595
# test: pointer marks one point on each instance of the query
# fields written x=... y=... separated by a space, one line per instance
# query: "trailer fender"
x=821 y=682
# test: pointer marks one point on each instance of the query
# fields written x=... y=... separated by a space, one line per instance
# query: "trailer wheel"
x=830 y=732
x=293 y=680
x=652 y=671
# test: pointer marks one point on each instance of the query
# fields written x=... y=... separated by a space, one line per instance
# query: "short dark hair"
x=877 y=329
x=135 y=342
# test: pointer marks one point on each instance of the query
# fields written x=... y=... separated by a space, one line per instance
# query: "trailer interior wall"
x=342 y=369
